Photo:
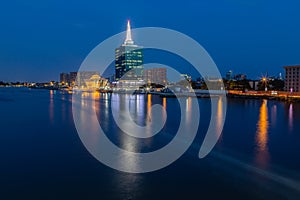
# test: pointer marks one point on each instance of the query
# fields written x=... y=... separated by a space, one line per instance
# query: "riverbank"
x=271 y=95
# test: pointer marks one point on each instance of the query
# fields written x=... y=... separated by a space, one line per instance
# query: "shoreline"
x=270 y=95
x=234 y=94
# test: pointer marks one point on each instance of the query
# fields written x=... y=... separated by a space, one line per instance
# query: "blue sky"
x=40 y=39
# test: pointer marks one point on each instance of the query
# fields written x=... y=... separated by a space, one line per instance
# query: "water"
x=42 y=157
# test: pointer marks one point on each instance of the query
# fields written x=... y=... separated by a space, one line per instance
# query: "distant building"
x=292 y=78
x=87 y=79
x=254 y=84
x=240 y=77
x=186 y=77
x=84 y=80
x=129 y=59
x=64 y=78
x=280 y=76
x=111 y=78
x=72 y=78
x=229 y=75
x=155 y=75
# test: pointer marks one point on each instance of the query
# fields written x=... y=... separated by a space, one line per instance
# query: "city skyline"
x=251 y=37
x=145 y=100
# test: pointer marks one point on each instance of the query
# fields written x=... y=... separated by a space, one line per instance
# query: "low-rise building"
x=155 y=75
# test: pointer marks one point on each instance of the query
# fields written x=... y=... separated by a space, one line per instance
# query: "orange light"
x=262 y=127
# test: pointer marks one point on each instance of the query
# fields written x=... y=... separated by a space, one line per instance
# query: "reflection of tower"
x=129 y=59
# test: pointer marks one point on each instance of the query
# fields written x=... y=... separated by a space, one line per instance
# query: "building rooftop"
x=292 y=66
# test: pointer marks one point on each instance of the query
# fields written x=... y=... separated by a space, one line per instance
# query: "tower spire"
x=128 y=39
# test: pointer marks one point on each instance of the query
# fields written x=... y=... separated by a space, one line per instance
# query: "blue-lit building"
x=129 y=59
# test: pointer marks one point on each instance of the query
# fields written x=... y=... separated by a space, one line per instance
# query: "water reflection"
x=129 y=113
x=262 y=154
x=51 y=107
x=149 y=106
x=291 y=117
x=274 y=115
x=64 y=106
x=129 y=184
x=86 y=104
x=188 y=109
x=219 y=119
x=132 y=118
x=165 y=103
x=140 y=109
x=119 y=104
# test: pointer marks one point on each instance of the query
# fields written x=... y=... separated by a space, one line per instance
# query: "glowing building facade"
x=129 y=59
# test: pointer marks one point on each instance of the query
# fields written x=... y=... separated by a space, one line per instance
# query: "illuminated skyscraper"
x=129 y=59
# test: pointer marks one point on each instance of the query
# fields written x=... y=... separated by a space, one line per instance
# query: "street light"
x=264 y=80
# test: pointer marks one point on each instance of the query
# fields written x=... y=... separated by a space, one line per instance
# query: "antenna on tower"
x=128 y=40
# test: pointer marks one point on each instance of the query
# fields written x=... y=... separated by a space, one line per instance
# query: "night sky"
x=40 y=39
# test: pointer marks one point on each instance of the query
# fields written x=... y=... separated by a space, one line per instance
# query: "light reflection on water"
x=140 y=115
x=274 y=115
x=140 y=107
x=291 y=117
x=51 y=107
x=164 y=104
x=262 y=154
x=219 y=118
x=188 y=109
x=58 y=152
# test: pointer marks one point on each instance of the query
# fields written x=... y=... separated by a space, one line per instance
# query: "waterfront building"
x=95 y=82
x=254 y=84
x=186 y=77
x=155 y=75
x=292 y=78
x=64 y=78
x=87 y=79
x=72 y=78
x=84 y=80
x=129 y=59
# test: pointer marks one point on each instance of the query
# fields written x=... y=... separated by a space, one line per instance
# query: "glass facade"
x=129 y=62
x=129 y=59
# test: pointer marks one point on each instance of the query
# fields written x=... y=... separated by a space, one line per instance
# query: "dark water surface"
x=42 y=157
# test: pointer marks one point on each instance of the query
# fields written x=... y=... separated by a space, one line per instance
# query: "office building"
x=229 y=75
x=292 y=78
x=72 y=78
x=155 y=75
x=129 y=59
x=64 y=78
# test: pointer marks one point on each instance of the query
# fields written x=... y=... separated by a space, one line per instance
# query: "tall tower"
x=129 y=59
